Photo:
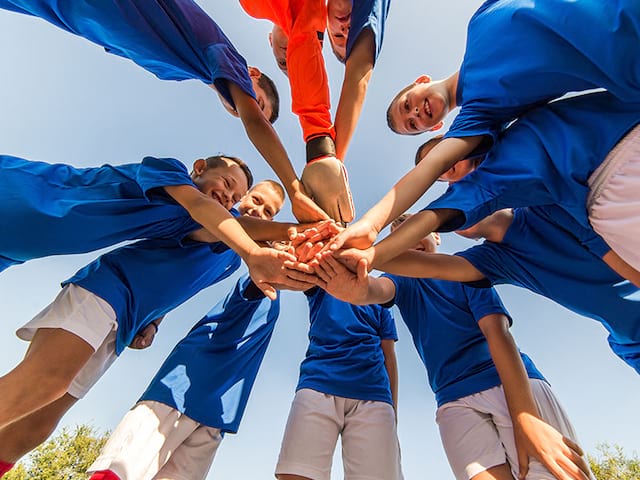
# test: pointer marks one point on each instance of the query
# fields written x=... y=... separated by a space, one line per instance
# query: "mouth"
x=427 y=108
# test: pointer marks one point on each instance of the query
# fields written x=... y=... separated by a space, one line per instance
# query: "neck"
x=451 y=84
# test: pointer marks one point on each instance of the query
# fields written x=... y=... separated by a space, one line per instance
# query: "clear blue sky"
x=63 y=99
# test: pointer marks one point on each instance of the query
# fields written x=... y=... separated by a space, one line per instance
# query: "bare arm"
x=432 y=265
x=357 y=74
x=267 y=142
x=621 y=267
x=492 y=228
x=391 y=365
x=534 y=437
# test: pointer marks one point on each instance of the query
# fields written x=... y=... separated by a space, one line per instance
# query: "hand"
x=341 y=282
x=351 y=257
x=304 y=208
x=144 y=338
x=320 y=232
x=326 y=181
x=560 y=455
x=359 y=235
x=268 y=271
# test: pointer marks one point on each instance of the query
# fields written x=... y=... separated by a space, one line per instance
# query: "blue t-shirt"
x=546 y=157
x=56 y=209
x=370 y=14
x=523 y=53
x=443 y=320
x=209 y=375
x=172 y=39
x=149 y=278
x=541 y=253
x=344 y=357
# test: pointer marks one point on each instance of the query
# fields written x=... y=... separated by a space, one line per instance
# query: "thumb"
x=268 y=290
x=363 y=269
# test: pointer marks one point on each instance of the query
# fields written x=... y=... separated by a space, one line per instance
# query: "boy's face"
x=226 y=185
x=338 y=25
x=420 y=108
x=279 y=41
x=261 y=96
x=262 y=201
x=459 y=170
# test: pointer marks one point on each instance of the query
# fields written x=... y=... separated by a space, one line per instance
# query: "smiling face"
x=279 y=41
x=338 y=25
x=418 y=108
x=264 y=102
x=262 y=201
x=225 y=184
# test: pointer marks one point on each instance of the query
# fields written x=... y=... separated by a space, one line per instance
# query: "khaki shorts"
x=614 y=199
x=155 y=441
x=370 y=448
x=88 y=316
x=477 y=432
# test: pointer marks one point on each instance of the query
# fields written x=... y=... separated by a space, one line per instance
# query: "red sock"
x=104 y=475
x=5 y=467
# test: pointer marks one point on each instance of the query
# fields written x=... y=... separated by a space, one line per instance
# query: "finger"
x=363 y=269
x=573 y=446
x=316 y=248
x=302 y=252
x=268 y=290
x=300 y=276
x=332 y=265
x=300 y=266
x=575 y=465
x=338 y=241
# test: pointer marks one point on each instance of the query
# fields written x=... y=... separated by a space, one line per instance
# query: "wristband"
x=322 y=146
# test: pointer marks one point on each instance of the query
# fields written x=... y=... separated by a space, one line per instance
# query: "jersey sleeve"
x=387 y=325
x=483 y=302
x=370 y=14
x=162 y=172
x=472 y=123
x=491 y=260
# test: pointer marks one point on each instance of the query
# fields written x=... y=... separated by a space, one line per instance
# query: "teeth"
x=427 y=107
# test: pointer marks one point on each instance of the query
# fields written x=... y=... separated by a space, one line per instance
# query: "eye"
x=226 y=182
x=406 y=105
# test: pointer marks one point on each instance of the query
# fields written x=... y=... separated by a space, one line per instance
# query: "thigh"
x=143 y=441
x=370 y=447
x=193 y=457
x=310 y=436
x=470 y=437
x=94 y=367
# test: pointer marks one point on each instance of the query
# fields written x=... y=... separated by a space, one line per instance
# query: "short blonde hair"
x=275 y=186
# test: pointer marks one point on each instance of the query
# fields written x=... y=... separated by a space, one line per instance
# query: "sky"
x=64 y=100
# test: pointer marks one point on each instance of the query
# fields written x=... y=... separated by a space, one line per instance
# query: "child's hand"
x=341 y=282
x=560 y=455
x=361 y=235
x=351 y=257
x=312 y=240
x=144 y=338
x=304 y=208
x=268 y=271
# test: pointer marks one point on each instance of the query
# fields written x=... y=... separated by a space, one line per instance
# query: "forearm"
x=358 y=71
x=391 y=366
x=261 y=230
x=440 y=266
x=621 y=267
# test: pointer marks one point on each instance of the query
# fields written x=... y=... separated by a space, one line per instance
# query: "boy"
x=98 y=313
x=480 y=378
x=177 y=40
x=80 y=210
x=347 y=387
x=296 y=40
x=522 y=169
x=496 y=83
x=198 y=395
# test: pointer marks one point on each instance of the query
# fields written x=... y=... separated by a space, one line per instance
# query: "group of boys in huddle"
x=547 y=182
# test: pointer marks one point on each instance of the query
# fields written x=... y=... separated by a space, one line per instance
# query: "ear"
x=423 y=79
x=199 y=166
x=437 y=126
x=254 y=72
x=271 y=39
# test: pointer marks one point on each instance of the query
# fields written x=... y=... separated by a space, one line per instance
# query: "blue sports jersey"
x=209 y=375
x=370 y=14
x=55 y=209
x=173 y=39
x=344 y=357
x=546 y=157
x=443 y=320
x=523 y=53
x=541 y=253
x=149 y=278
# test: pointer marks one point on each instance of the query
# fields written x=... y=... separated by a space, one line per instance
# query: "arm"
x=432 y=265
x=144 y=338
x=267 y=142
x=621 y=267
x=357 y=74
x=534 y=437
x=391 y=365
x=406 y=192
x=491 y=228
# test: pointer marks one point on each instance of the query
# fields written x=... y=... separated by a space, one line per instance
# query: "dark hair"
x=276 y=188
x=271 y=92
x=390 y=121
x=216 y=161
x=428 y=145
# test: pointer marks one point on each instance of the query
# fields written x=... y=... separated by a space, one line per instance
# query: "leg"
x=144 y=441
x=471 y=440
x=54 y=358
x=310 y=437
x=370 y=446
x=192 y=459
x=19 y=438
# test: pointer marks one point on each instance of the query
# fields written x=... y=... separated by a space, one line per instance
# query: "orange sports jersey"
x=303 y=21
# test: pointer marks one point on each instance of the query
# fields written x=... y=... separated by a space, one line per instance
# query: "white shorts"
x=88 y=316
x=370 y=448
x=614 y=199
x=155 y=441
x=477 y=431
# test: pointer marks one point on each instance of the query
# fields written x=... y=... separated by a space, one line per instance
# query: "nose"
x=255 y=213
